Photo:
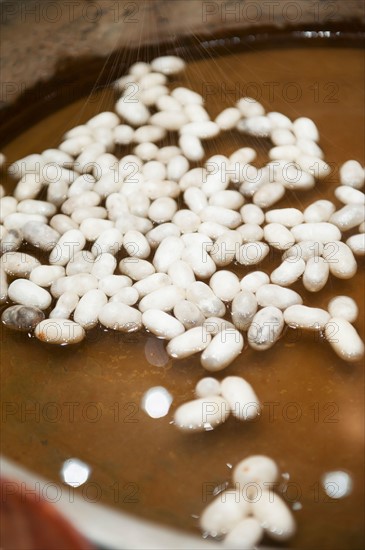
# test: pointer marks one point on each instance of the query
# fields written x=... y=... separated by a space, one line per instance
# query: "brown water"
x=84 y=401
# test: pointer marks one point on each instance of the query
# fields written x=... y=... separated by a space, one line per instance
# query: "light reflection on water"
x=74 y=472
x=337 y=484
x=156 y=402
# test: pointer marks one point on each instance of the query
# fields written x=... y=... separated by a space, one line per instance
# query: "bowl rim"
x=49 y=96
x=102 y=525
